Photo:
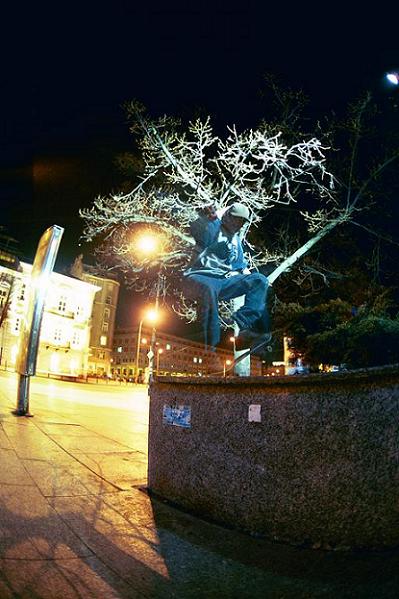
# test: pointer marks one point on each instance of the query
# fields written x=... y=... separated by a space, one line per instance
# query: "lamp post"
x=159 y=352
x=151 y=315
x=149 y=244
x=226 y=363
x=136 y=378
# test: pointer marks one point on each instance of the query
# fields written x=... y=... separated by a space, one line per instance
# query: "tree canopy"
x=299 y=186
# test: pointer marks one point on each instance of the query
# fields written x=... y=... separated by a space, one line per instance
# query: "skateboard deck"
x=263 y=341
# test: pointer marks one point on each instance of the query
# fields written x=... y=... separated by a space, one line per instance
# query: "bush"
x=361 y=342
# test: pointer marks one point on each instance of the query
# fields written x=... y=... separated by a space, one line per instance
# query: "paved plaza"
x=77 y=522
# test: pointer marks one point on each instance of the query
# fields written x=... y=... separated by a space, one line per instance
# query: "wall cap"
x=348 y=376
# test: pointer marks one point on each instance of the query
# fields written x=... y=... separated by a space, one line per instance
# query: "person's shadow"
x=65 y=554
x=130 y=545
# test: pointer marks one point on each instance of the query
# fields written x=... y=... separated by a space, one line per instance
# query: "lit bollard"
x=22 y=408
x=40 y=277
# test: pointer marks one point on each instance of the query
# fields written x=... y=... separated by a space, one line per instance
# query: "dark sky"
x=70 y=68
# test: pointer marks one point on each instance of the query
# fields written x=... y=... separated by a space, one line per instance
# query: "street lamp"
x=226 y=363
x=149 y=243
x=152 y=316
x=393 y=78
x=159 y=352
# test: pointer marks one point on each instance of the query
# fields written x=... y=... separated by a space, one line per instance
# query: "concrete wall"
x=321 y=468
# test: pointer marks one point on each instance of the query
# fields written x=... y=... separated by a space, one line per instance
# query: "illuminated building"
x=103 y=323
x=103 y=316
x=67 y=319
x=173 y=355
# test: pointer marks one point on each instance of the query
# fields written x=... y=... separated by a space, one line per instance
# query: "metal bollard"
x=22 y=408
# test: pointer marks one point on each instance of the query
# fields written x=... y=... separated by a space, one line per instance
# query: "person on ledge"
x=219 y=271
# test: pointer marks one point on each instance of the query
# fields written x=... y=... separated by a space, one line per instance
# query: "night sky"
x=70 y=69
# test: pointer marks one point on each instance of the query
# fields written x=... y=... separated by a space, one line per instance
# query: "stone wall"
x=320 y=468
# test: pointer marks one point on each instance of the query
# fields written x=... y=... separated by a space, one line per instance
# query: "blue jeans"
x=209 y=290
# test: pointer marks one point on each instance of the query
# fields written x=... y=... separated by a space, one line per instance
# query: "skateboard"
x=263 y=341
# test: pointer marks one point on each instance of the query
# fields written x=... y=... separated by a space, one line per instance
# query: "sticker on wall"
x=254 y=414
x=179 y=415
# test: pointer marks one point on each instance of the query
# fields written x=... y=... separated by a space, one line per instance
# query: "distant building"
x=174 y=356
x=103 y=316
x=66 y=323
x=103 y=323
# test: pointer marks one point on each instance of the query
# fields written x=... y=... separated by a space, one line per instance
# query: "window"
x=3 y=296
x=17 y=325
x=79 y=311
x=107 y=313
x=101 y=355
x=22 y=293
x=108 y=299
x=57 y=335
x=62 y=302
x=103 y=340
x=119 y=350
x=168 y=346
x=105 y=327
x=76 y=338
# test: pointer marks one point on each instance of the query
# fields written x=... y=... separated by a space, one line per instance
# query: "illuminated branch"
x=183 y=171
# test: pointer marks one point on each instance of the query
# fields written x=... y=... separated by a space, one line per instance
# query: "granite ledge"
x=390 y=371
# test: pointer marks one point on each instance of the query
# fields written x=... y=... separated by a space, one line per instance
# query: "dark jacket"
x=217 y=253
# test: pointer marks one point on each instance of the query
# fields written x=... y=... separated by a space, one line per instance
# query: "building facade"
x=103 y=323
x=173 y=356
x=66 y=324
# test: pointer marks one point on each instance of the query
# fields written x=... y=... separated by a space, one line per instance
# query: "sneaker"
x=247 y=339
x=233 y=320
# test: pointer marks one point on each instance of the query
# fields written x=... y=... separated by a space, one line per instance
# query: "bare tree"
x=185 y=170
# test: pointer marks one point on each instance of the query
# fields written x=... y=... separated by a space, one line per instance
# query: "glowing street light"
x=226 y=363
x=147 y=243
x=393 y=78
x=151 y=315
x=150 y=243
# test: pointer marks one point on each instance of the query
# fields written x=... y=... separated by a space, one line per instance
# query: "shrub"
x=361 y=342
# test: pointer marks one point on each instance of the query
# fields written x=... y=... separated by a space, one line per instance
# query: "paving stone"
x=84 y=578
x=127 y=547
x=66 y=429
x=66 y=479
x=94 y=444
x=32 y=529
x=12 y=471
x=29 y=442
x=4 y=440
x=123 y=469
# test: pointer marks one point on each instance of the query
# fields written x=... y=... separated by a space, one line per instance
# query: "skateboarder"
x=219 y=271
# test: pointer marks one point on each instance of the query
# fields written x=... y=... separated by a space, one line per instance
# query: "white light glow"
x=54 y=362
x=14 y=353
x=147 y=244
x=393 y=78
x=152 y=315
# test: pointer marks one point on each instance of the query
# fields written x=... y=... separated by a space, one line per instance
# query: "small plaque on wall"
x=177 y=415
x=254 y=413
